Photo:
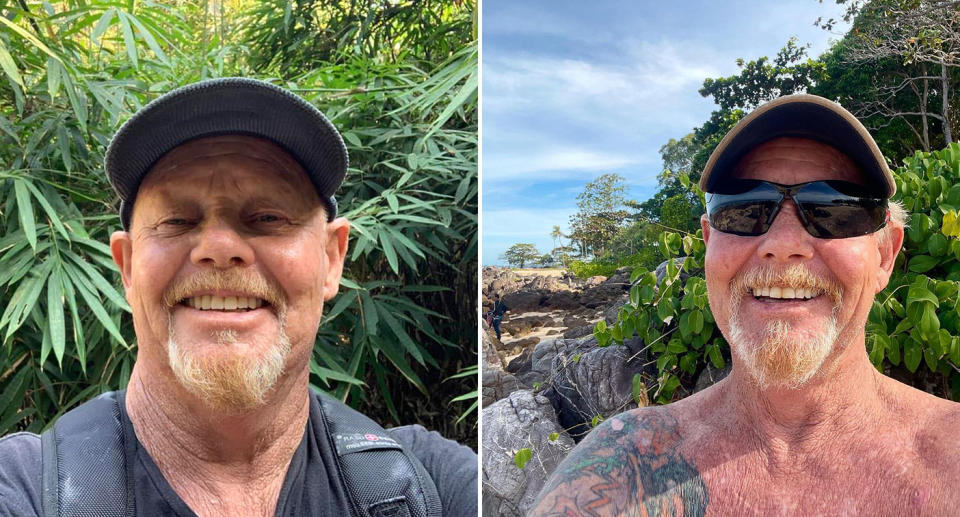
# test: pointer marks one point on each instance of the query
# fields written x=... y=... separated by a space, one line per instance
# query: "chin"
x=229 y=381
x=781 y=356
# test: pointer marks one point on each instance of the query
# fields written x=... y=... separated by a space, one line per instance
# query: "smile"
x=784 y=293
x=223 y=303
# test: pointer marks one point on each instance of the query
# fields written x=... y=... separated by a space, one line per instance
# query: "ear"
x=338 y=232
x=705 y=226
x=889 y=248
x=121 y=248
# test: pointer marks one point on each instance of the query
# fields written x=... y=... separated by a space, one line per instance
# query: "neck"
x=206 y=454
x=791 y=425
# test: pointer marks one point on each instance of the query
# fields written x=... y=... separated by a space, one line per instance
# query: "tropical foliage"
x=399 y=79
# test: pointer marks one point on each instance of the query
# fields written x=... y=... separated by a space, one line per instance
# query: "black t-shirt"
x=311 y=486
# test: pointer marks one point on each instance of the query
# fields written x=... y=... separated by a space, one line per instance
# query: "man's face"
x=785 y=342
x=226 y=266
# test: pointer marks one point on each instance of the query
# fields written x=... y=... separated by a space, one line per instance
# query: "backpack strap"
x=383 y=479
x=84 y=470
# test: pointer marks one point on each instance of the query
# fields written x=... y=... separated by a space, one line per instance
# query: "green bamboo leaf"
x=343 y=301
x=58 y=337
x=48 y=209
x=99 y=281
x=98 y=310
x=25 y=209
x=371 y=319
x=328 y=374
x=128 y=40
x=23 y=301
x=29 y=37
x=147 y=37
x=103 y=24
x=391 y=254
x=396 y=357
x=395 y=326
x=9 y=66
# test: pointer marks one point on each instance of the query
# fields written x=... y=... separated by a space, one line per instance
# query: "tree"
x=556 y=234
x=545 y=260
x=563 y=255
x=600 y=212
x=520 y=254
x=923 y=38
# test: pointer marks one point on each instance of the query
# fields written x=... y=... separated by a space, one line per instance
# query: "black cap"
x=229 y=105
x=801 y=116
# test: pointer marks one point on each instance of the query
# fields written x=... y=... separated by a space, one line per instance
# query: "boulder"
x=520 y=344
x=574 y=321
x=497 y=384
x=610 y=314
x=521 y=362
x=562 y=300
x=523 y=301
x=516 y=327
x=523 y=420
x=578 y=332
x=598 y=382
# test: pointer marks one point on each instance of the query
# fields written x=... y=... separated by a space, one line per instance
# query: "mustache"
x=229 y=279
x=796 y=276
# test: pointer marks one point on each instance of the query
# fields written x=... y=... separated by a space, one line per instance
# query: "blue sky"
x=576 y=89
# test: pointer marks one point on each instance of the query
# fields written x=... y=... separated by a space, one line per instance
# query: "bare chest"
x=894 y=484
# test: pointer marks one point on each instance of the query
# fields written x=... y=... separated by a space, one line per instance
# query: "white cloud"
x=570 y=162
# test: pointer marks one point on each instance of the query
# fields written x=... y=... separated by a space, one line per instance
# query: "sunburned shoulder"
x=631 y=464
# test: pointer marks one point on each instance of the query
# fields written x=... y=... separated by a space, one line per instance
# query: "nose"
x=787 y=239
x=220 y=245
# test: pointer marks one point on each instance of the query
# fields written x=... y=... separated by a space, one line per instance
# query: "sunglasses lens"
x=748 y=212
x=830 y=209
x=833 y=212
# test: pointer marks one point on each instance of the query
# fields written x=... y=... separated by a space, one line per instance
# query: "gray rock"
x=522 y=420
x=578 y=332
x=497 y=384
x=574 y=321
x=521 y=362
x=710 y=376
x=611 y=312
x=490 y=344
x=592 y=381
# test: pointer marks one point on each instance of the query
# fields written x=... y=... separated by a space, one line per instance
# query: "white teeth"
x=785 y=293
x=209 y=302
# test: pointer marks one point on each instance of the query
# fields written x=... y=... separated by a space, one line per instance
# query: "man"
x=230 y=246
x=799 y=239
x=497 y=312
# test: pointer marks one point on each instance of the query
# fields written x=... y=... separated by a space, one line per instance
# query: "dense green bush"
x=72 y=73
x=913 y=330
x=587 y=269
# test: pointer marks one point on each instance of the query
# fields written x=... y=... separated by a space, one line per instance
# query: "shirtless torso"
x=897 y=453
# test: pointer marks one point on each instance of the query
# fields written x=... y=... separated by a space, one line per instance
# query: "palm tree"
x=556 y=234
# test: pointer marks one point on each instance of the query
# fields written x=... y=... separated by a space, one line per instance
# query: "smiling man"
x=230 y=246
x=800 y=237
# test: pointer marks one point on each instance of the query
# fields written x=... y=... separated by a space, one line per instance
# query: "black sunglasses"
x=829 y=209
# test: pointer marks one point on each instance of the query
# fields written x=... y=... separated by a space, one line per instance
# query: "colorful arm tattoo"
x=629 y=465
